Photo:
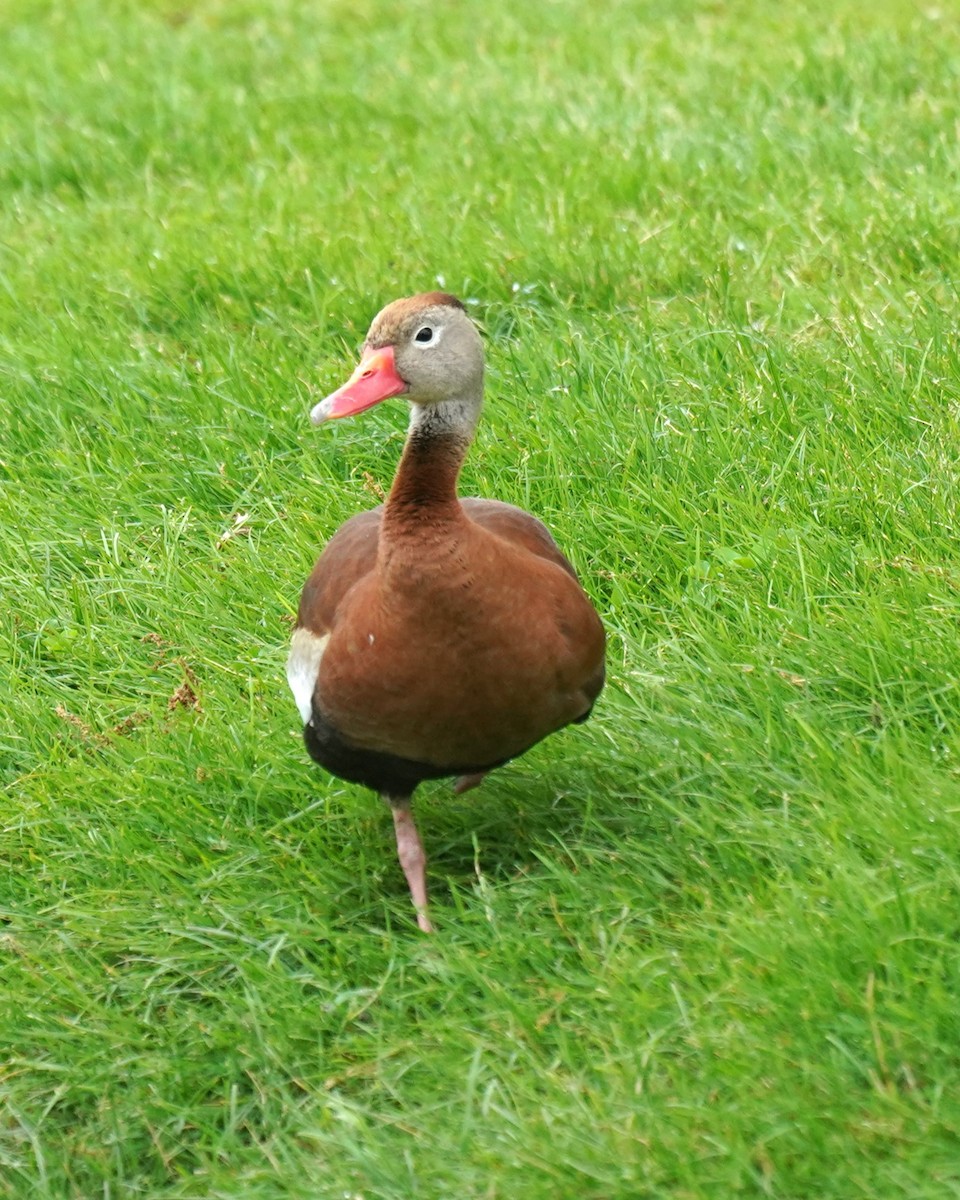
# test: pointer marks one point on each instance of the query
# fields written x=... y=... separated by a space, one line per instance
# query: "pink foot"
x=412 y=858
x=466 y=782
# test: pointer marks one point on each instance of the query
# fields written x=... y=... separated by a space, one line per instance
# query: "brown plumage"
x=435 y=636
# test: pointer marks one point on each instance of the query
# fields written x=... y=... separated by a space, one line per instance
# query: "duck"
x=436 y=636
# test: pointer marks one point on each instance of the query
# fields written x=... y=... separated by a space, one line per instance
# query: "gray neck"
x=426 y=479
x=450 y=419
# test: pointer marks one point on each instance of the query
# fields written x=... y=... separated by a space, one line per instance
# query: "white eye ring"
x=432 y=337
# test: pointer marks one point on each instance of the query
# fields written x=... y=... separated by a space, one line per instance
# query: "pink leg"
x=466 y=782
x=411 y=855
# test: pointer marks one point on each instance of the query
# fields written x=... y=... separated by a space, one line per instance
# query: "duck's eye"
x=424 y=334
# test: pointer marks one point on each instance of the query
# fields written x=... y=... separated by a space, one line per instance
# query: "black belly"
x=386 y=773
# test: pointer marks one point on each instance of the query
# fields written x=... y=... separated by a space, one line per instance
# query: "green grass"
x=707 y=945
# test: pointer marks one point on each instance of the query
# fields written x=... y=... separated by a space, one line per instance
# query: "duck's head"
x=425 y=348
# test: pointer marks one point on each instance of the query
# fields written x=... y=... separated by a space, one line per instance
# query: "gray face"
x=437 y=349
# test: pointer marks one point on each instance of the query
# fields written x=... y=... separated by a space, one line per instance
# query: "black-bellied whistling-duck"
x=436 y=636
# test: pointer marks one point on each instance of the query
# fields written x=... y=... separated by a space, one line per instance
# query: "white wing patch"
x=303 y=663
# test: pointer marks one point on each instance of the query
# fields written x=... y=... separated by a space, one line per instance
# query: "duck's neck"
x=425 y=487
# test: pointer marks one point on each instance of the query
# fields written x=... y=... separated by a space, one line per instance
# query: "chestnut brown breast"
x=462 y=644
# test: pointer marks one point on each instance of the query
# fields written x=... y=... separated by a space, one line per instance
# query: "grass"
x=704 y=946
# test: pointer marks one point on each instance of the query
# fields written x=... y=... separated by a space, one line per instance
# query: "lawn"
x=706 y=945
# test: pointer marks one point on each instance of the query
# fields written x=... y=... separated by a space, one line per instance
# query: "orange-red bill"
x=375 y=379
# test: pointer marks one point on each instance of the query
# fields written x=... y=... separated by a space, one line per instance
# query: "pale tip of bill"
x=320 y=412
